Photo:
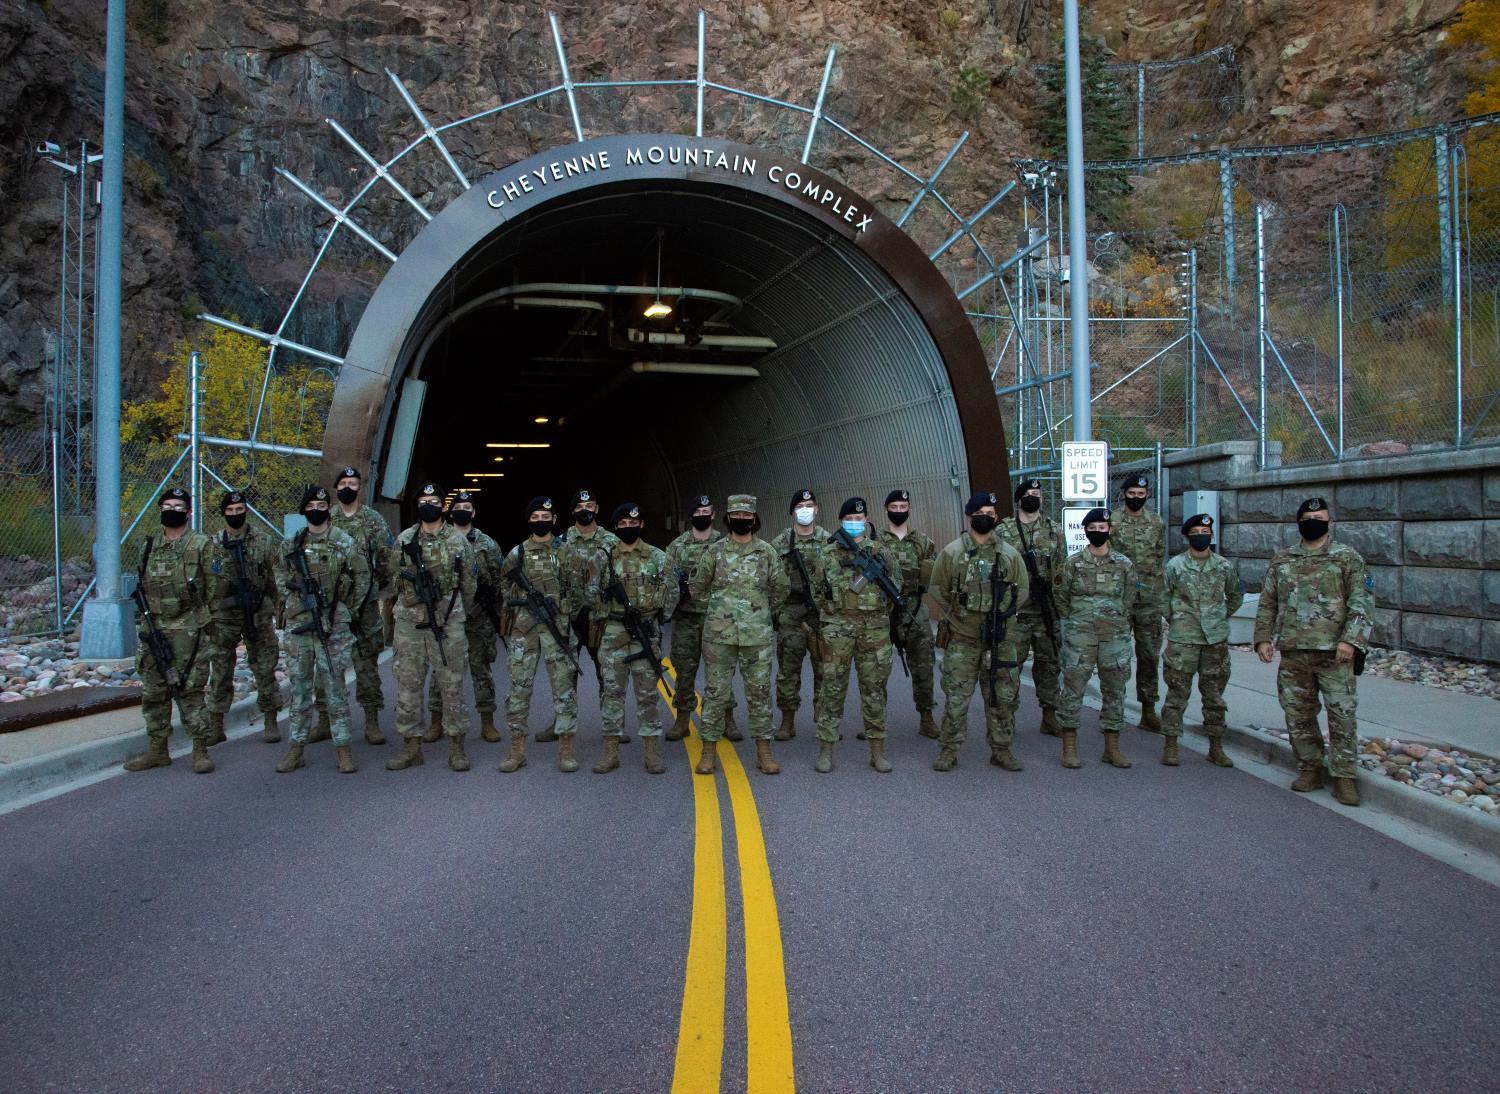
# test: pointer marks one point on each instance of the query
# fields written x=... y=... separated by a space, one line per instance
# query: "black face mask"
x=1200 y=542
x=463 y=517
x=703 y=522
x=1312 y=528
x=742 y=526
x=1031 y=504
x=584 y=517
x=628 y=535
x=347 y=494
x=173 y=518
x=1098 y=539
x=540 y=527
x=429 y=514
x=1134 y=504
x=982 y=523
x=235 y=521
x=898 y=519
x=316 y=518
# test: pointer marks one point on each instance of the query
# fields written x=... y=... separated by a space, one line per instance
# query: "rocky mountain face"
x=221 y=94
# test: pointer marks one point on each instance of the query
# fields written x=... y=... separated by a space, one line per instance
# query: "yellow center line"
x=700 y=1031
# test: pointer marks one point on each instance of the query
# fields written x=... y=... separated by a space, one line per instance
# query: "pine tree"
x=1108 y=123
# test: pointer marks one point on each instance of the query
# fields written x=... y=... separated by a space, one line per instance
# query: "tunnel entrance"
x=653 y=317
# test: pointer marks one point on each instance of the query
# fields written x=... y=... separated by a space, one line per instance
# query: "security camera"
x=1030 y=178
x=47 y=148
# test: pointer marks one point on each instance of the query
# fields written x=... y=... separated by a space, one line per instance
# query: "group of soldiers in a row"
x=852 y=599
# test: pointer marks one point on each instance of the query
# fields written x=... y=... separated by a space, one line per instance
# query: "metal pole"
x=1140 y=111
x=1444 y=210
x=1260 y=327
x=1192 y=392
x=1162 y=501
x=1338 y=313
x=107 y=619
x=1078 y=276
x=83 y=172
x=194 y=475
x=1226 y=212
x=701 y=84
x=1458 y=301
x=57 y=531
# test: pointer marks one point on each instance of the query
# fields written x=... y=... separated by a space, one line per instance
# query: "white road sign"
x=1073 y=528
x=1085 y=471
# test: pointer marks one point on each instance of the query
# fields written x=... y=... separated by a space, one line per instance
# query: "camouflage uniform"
x=175 y=576
x=795 y=619
x=650 y=584
x=1201 y=596
x=565 y=579
x=479 y=629
x=372 y=539
x=914 y=555
x=855 y=630
x=334 y=561
x=446 y=555
x=1096 y=600
x=685 y=553
x=591 y=553
x=228 y=626
x=961 y=585
x=743 y=586
x=1312 y=600
x=1045 y=538
x=1142 y=539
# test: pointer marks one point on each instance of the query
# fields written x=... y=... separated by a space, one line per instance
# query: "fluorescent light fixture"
x=540 y=421
x=695 y=368
x=484 y=475
x=497 y=444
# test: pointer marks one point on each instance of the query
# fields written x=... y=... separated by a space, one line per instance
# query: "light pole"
x=1078 y=259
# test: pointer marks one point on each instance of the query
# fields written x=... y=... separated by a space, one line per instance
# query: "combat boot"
x=824 y=763
x=373 y=736
x=1002 y=756
x=565 y=761
x=487 y=731
x=156 y=755
x=1112 y=754
x=1150 y=723
x=434 y=729
x=291 y=761
x=928 y=728
x=680 y=727
x=877 y=756
x=708 y=761
x=517 y=758
x=947 y=759
x=1309 y=778
x=731 y=731
x=323 y=731
x=272 y=733
x=1050 y=728
x=345 y=756
x=1345 y=790
x=457 y=761
x=653 y=760
x=1169 y=751
x=548 y=735
x=610 y=759
x=1216 y=753
x=216 y=734
x=411 y=755
x=1070 y=749
x=788 y=728
x=763 y=758
x=202 y=765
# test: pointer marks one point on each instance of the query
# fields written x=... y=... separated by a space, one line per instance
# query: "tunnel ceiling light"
x=541 y=421
x=533 y=444
x=485 y=475
x=695 y=368
x=656 y=309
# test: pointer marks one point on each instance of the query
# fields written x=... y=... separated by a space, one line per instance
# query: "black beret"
x=312 y=492
x=799 y=497
x=176 y=493
x=350 y=473
x=1135 y=480
x=1095 y=514
x=582 y=496
x=1311 y=505
x=898 y=495
x=1198 y=519
x=978 y=502
x=626 y=510
x=231 y=497
x=542 y=502
x=699 y=501
x=1025 y=485
x=851 y=507
x=463 y=495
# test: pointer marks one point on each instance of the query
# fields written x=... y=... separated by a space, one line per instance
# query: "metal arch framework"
x=927 y=185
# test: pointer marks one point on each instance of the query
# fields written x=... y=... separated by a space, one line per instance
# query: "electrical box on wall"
x=1202 y=501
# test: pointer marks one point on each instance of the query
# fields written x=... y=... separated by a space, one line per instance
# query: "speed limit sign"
x=1085 y=471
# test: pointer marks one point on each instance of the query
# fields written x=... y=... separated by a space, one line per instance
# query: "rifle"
x=484 y=594
x=429 y=592
x=873 y=568
x=639 y=630
x=684 y=592
x=992 y=630
x=541 y=609
x=156 y=641
x=1041 y=592
x=309 y=591
x=249 y=598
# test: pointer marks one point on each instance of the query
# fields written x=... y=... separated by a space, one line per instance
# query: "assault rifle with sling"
x=992 y=630
x=873 y=568
x=425 y=584
x=156 y=640
x=246 y=595
x=309 y=590
x=1041 y=591
x=541 y=608
x=639 y=629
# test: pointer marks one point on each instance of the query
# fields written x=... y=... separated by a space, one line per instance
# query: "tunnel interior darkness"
x=800 y=364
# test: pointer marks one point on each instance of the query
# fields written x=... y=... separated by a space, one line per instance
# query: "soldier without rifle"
x=914 y=553
x=799 y=617
x=636 y=593
x=1036 y=628
x=684 y=553
x=244 y=609
x=1316 y=605
x=435 y=589
x=980 y=581
x=372 y=538
x=481 y=625
x=320 y=573
x=172 y=599
x=1140 y=536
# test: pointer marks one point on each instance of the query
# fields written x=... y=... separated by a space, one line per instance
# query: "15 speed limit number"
x=1085 y=471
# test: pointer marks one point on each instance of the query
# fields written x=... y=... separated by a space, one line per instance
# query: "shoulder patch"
x=218 y=567
x=1369 y=583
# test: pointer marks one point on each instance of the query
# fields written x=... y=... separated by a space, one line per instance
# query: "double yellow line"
x=768 y=1024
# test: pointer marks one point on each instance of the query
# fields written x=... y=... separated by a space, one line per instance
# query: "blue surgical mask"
x=855 y=528
x=806 y=515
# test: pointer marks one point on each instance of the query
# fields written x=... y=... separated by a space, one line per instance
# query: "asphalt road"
x=1154 y=928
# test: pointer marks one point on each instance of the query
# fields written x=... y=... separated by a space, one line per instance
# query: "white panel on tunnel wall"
x=403 y=439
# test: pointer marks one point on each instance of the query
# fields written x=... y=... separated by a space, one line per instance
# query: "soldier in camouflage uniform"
x=173 y=579
x=480 y=625
x=1203 y=591
x=854 y=630
x=566 y=581
x=1036 y=628
x=1317 y=603
x=1096 y=599
x=372 y=537
x=914 y=553
x=1140 y=536
x=590 y=545
x=244 y=566
x=684 y=553
x=637 y=578
x=431 y=636
x=962 y=584
x=799 y=617
x=317 y=663
x=742 y=584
